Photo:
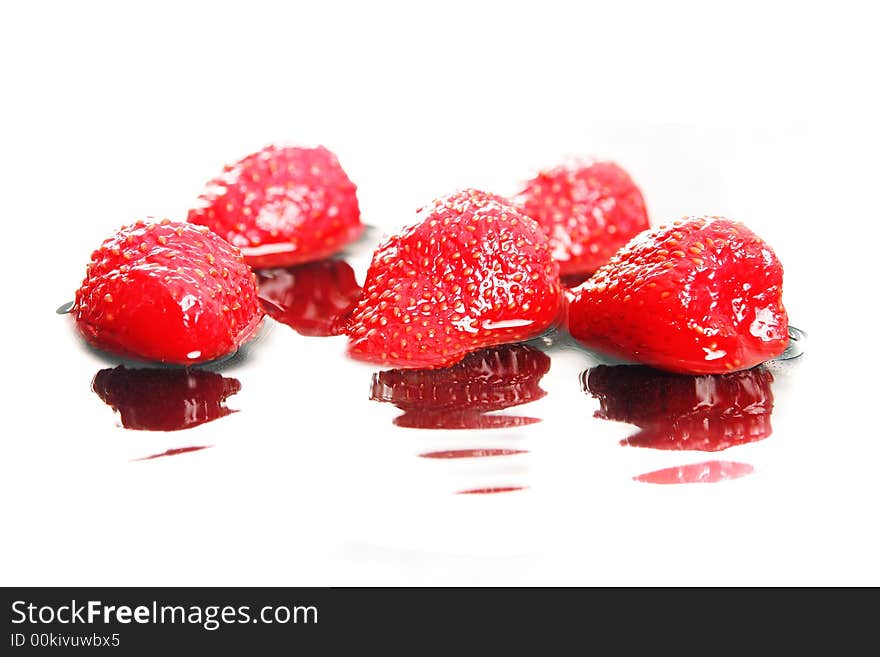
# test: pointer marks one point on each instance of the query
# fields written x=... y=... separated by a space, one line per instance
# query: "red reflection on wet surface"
x=426 y=419
x=460 y=396
x=707 y=413
x=471 y=453
x=154 y=399
x=708 y=472
x=313 y=298
x=173 y=452
x=491 y=490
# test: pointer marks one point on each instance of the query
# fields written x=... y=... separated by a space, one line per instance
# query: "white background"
x=110 y=111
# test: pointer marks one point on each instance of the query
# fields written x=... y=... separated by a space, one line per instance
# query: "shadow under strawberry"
x=313 y=299
x=708 y=413
x=463 y=396
x=157 y=399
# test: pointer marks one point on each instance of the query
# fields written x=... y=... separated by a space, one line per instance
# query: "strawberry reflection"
x=679 y=412
x=479 y=453
x=173 y=452
x=491 y=490
x=154 y=399
x=313 y=298
x=463 y=396
x=707 y=472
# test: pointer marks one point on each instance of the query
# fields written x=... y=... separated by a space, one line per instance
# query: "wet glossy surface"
x=313 y=298
x=471 y=453
x=708 y=472
x=476 y=447
x=311 y=482
x=589 y=209
x=469 y=271
x=491 y=491
x=463 y=395
x=468 y=396
x=153 y=399
x=173 y=452
x=282 y=205
x=708 y=413
x=699 y=294
x=167 y=292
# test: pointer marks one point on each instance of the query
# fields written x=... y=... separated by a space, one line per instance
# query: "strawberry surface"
x=588 y=210
x=472 y=272
x=282 y=206
x=701 y=295
x=167 y=292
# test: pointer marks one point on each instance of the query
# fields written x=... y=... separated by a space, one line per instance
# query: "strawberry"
x=282 y=206
x=155 y=399
x=312 y=298
x=471 y=273
x=710 y=412
x=588 y=209
x=458 y=397
x=698 y=296
x=167 y=292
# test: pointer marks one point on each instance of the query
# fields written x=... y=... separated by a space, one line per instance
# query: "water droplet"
x=507 y=323
x=797 y=340
x=65 y=308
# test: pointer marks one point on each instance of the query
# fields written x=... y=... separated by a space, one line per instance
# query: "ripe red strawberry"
x=709 y=413
x=588 y=209
x=312 y=298
x=155 y=399
x=167 y=292
x=699 y=296
x=458 y=397
x=471 y=273
x=282 y=206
